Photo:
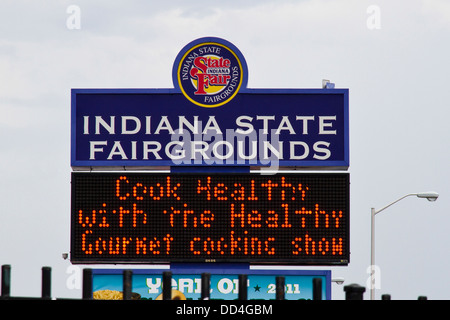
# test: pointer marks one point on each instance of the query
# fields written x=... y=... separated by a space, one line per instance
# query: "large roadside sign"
x=210 y=117
x=210 y=122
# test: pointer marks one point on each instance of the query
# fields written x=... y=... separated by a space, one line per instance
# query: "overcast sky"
x=392 y=55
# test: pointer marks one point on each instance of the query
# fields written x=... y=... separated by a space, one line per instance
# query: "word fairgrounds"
x=259 y=137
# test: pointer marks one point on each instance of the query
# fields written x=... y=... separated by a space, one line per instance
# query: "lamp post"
x=430 y=196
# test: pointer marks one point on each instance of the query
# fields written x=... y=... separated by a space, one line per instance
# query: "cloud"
x=438 y=12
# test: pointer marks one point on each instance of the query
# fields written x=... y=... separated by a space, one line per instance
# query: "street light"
x=430 y=196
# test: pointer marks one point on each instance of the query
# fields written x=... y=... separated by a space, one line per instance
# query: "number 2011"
x=289 y=288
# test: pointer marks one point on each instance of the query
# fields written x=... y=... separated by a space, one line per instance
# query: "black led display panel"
x=148 y=218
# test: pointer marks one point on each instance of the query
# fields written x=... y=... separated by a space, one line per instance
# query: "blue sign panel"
x=261 y=284
x=160 y=127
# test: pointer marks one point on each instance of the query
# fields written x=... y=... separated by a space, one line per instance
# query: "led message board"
x=197 y=217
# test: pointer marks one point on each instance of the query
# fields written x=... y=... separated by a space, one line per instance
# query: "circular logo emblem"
x=209 y=72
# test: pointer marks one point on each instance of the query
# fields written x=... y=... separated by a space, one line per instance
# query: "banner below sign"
x=147 y=284
x=210 y=118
